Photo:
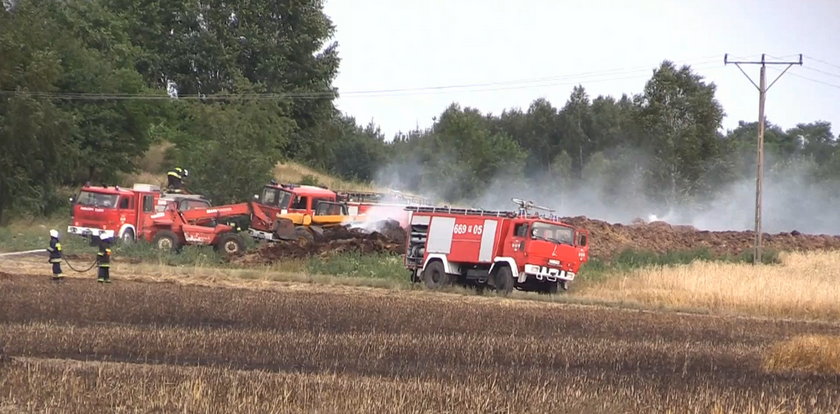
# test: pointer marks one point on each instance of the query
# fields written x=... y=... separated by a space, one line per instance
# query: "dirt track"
x=221 y=349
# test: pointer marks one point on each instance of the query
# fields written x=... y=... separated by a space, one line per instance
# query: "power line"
x=590 y=77
x=823 y=62
x=823 y=72
x=816 y=80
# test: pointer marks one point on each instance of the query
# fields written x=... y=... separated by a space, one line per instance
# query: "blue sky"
x=404 y=61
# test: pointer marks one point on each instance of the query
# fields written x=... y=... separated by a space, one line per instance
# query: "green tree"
x=679 y=117
x=234 y=147
x=577 y=129
x=464 y=155
x=814 y=140
x=33 y=131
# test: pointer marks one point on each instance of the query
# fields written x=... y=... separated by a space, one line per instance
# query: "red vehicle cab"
x=123 y=213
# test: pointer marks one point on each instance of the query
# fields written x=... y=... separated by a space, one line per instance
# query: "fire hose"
x=77 y=270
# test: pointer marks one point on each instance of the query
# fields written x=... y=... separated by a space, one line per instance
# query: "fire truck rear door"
x=440 y=235
x=488 y=240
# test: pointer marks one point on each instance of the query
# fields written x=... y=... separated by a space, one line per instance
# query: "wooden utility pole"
x=759 y=173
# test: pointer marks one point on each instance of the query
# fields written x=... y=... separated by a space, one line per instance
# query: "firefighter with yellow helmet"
x=175 y=178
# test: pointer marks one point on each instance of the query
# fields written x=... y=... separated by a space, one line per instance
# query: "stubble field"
x=165 y=347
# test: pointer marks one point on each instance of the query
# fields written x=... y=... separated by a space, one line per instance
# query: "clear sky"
x=495 y=54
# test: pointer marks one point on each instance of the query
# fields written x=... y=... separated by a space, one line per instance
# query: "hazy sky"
x=505 y=54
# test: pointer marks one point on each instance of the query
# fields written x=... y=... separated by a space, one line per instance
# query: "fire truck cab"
x=502 y=249
x=123 y=213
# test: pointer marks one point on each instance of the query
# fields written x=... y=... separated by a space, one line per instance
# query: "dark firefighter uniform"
x=103 y=260
x=55 y=256
x=175 y=178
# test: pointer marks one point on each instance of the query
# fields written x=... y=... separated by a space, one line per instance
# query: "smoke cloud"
x=792 y=199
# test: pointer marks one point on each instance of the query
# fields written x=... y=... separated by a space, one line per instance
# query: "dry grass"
x=151 y=167
x=159 y=347
x=292 y=172
x=154 y=160
x=289 y=172
x=818 y=354
x=804 y=285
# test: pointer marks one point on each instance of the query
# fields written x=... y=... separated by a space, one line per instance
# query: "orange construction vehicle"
x=296 y=211
x=173 y=228
x=302 y=211
x=500 y=249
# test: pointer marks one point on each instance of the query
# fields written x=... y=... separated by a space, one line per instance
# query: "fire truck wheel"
x=550 y=288
x=504 y=280
x=230 y=244
x=166 y=240
x=435 y=275
x=127 y=236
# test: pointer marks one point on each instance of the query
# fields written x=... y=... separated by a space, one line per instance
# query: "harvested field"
x=610 y=239
x=139 y=346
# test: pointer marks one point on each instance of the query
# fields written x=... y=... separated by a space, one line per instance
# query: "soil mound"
x=610 y=239
x=390 y=238
x=607 y=241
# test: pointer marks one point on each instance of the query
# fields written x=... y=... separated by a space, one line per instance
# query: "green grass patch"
x=187 y=256
x=33 y=233
x=354 y=264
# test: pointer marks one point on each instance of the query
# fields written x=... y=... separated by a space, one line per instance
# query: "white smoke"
x=792 y=200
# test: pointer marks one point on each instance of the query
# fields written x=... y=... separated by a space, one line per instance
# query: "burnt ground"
x=369 y=350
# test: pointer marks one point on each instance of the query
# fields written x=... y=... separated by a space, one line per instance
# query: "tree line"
x=86 y=86
x=669 y=138
x=85 y=89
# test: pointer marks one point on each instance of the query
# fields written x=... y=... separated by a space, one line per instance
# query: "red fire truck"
x=124 y=213
x=500 y=249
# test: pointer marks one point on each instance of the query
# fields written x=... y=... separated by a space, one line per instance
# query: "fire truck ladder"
x=462 y=211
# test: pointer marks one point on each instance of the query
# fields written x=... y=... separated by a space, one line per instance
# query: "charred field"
x=163 y=347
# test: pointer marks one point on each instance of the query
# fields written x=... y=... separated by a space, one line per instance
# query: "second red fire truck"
x=504 y=250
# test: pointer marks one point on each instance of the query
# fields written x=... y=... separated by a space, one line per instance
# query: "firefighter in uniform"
x=103 y=259
x=175 y=178
x=55 y=255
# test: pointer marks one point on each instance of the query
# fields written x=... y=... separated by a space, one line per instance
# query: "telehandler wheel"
x=166 y=240
x=304 y=236
x=435 y=277
x=504 y=280
x=230 y=244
